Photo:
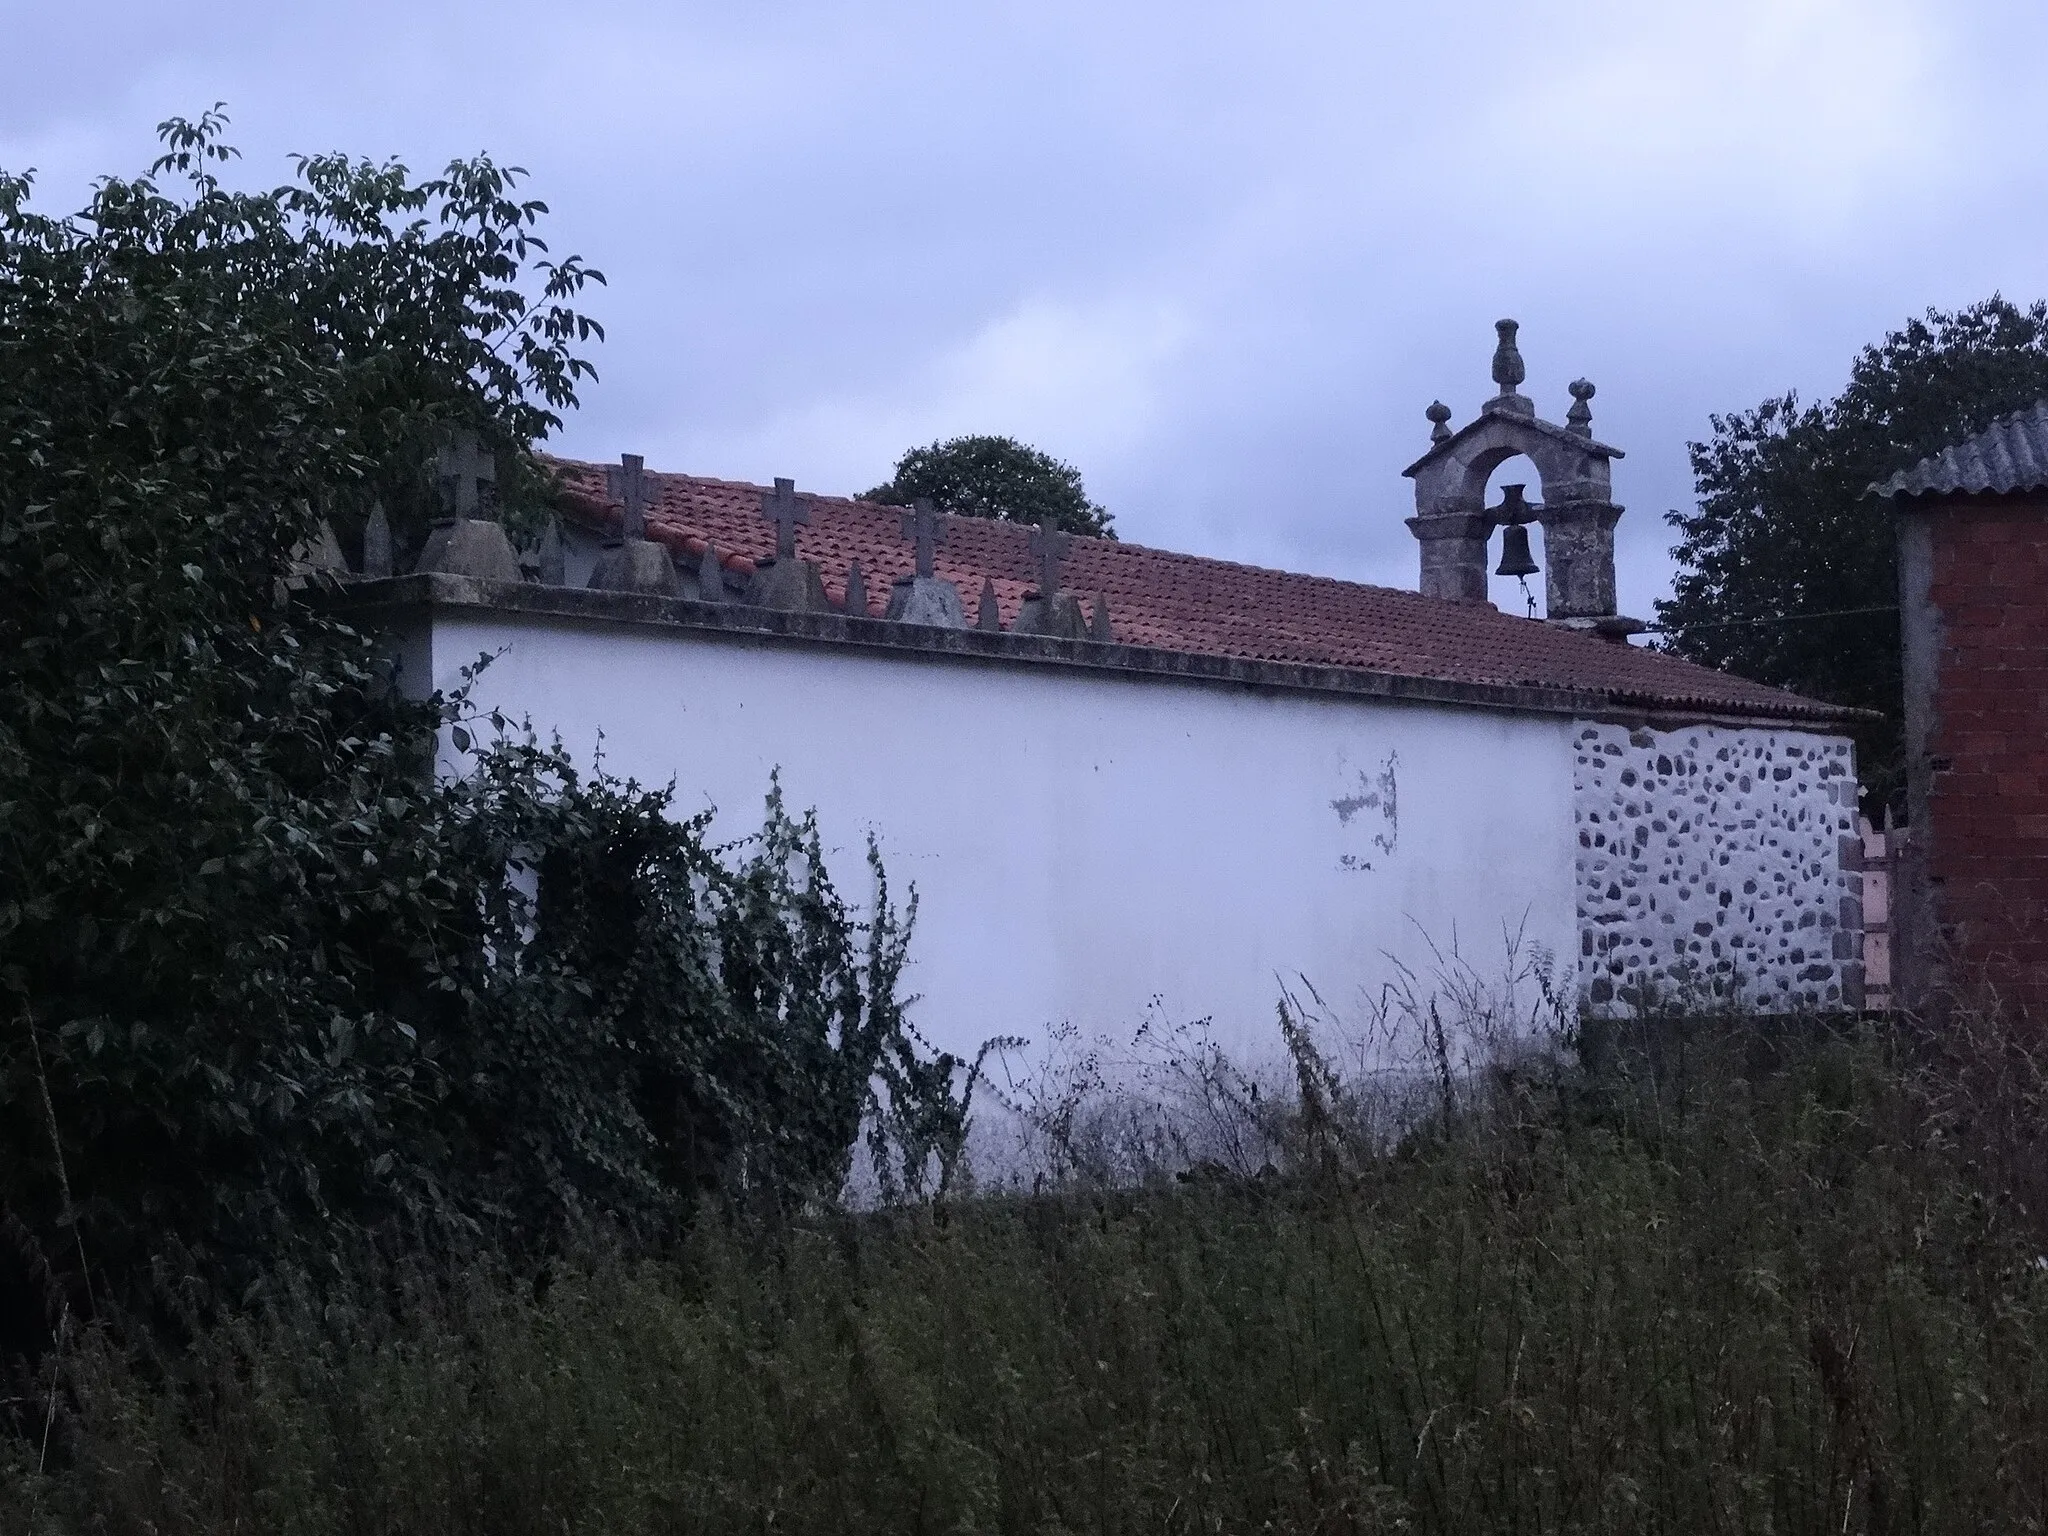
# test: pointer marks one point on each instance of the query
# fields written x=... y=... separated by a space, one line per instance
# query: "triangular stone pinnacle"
x=710 y=576
x=377 y=554
x=856 y=592
x=321 y=552
x=550 y=558
x=988 y=613
x=1098 y=622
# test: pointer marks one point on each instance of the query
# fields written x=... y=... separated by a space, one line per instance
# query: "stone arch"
x=1574 y=507
x=1454 y=476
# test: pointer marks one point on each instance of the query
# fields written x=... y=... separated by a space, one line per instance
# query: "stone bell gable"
x=1577 y=513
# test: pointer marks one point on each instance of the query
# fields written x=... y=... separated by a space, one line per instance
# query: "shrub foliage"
x=995 y=477
x=262 y=976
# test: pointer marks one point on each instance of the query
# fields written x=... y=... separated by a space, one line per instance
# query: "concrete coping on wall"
x=426 y=592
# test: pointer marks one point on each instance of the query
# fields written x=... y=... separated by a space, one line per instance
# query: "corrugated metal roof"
x=2009 y=456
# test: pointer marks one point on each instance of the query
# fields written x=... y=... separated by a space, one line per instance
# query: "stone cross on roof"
x=462 y=465
x=785 y=509
x=627 y=482
x=922 y=524
x=1049 y=547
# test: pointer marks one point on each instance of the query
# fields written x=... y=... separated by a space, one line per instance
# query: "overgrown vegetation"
x=1715 y=1278
x=265 y=984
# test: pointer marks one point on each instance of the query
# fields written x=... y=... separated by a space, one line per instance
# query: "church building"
x=1130 y=784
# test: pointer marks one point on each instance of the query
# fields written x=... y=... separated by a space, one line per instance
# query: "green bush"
x=995 y=477
x=264 y=982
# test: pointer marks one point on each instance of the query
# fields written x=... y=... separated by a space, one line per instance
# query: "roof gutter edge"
x=439 y=590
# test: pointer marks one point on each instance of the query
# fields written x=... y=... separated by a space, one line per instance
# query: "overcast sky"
x=1219 y=256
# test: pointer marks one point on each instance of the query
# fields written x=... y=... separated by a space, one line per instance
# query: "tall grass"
x=1688 y=1278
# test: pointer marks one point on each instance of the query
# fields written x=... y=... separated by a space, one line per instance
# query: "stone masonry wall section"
x=1716 y=866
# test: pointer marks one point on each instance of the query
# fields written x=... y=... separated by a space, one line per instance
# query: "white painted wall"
x=1082 y=844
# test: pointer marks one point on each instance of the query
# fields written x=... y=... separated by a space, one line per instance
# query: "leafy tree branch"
x=285 y=984
x=1787 y=570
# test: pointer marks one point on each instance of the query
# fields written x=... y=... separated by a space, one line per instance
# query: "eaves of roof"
x=2007 y=458
x=735 y=622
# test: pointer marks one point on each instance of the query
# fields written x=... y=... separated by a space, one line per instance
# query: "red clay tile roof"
x=1189 y=603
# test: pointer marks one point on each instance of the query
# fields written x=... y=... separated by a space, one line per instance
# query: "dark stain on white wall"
x=1375 y=792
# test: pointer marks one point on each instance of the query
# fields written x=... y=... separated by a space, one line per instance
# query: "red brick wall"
x=1987 y=807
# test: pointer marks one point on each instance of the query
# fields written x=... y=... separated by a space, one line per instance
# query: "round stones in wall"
x=1710 y=868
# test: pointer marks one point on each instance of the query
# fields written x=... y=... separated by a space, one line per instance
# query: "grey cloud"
x=1220 y=256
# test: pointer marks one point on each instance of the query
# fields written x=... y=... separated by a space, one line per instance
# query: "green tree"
x=996 y=477
x=1787 y=571
x=263 y=978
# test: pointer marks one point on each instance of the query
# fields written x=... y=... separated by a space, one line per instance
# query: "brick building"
x=1972 y=908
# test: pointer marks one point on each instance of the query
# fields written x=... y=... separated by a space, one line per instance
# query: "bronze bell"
x=1515 y=557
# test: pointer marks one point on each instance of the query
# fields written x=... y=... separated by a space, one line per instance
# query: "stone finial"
x=1508 y=368
x=378 y=559
x=463 y=468
x=626 y=483
x=1098 y=622
x=856 y=592
x=1048 y=547
x=1439 y=416
x=1508 y=372
x=465 y=542
x=921 y=524
x=786 y=510
x=1579 y=418
x=988 y=614
x=710 y=576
